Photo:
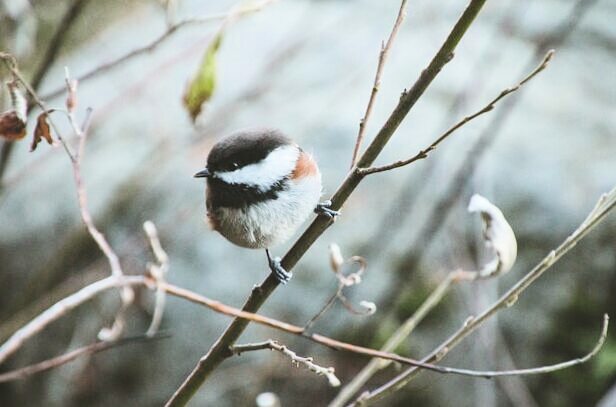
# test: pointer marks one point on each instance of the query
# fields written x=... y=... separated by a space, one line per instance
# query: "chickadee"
x=261 y=187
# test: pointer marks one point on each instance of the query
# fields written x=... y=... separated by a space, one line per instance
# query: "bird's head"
x=257 y=158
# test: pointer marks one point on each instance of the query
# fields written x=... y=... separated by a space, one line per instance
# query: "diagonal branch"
x=219 y=351
x=377 y=80
x=61 y=308
x=58 y=361
x=394 y=341
x=51 y=52
x=172 y=29
x=487 y=108
x=605 y=204
x=69 y=303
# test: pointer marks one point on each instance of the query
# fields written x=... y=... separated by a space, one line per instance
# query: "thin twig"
x=49 y=56
x=127 y=295
x=605 y=204
x=11 y=64
x=434 y=220
x=328 y=304
x=343 y=282
x=97 y=71
x=219 y=351
x=385 y=47
x=158 y=272
x=487 y=108
x=67 y=304
x=328 y=372
x=61 y=308
x=58 y=361
x=367 y=398
x=339 y=345
x=72 y=301
x=394 y=341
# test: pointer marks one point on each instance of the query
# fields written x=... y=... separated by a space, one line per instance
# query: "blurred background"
x=543 y=156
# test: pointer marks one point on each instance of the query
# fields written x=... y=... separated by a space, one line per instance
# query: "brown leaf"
x=42 y=131
x=12 y=127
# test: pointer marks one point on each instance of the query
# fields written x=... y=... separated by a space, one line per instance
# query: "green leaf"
x=201 y=88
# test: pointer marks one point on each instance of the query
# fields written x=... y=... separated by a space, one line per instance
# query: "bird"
x=260 y=187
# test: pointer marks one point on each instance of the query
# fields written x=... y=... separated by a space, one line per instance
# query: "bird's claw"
x=324 y=208
x=282 y=275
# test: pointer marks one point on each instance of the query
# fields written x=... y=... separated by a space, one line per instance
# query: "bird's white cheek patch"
x=277 y=165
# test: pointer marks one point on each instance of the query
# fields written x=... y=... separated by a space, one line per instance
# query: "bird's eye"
x=235 y=165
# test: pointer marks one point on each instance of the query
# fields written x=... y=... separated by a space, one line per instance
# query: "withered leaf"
x=12 y=126
x=42 y=131
x=201 y=88
x=498 y=236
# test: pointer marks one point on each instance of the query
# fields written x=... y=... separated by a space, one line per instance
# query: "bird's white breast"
x=269 y=223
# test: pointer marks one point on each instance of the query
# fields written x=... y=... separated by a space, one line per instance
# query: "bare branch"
x=12 y=66
x=58 y=361
x=61 y=308
x=487 y=108
x=219 y=351
x=328 y=372
x=337 y=262
x=127 y=295
x=605 y=204
x=394 y=341
x=157 y=271
x=67 y=304
x=377 y=80
x=103 y=68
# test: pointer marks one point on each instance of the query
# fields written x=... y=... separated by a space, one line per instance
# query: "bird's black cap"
x=243 y=148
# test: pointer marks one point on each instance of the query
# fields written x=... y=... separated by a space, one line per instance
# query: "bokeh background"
x=306 y=67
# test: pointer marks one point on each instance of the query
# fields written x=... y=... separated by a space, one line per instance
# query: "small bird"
x=261 y=187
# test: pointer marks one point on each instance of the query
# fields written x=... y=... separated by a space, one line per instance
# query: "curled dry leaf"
x=267 y=399
x=498 y=235
x=369 y=306
x=13 y=121
x=11 y=126
x=42 y=131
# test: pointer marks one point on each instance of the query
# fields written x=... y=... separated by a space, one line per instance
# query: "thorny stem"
x=219 y=351
x=328 y=372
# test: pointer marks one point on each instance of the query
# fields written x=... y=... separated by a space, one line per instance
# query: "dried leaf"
x=12 y=127
x=369 y=306
x=42 y=131
x=13 y=121
x=202 y=86
x=498 y=235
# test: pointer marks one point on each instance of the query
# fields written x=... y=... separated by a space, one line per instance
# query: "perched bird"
x=261 y=187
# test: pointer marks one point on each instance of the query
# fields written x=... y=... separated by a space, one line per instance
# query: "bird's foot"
x=283 y=276
x=324 y=208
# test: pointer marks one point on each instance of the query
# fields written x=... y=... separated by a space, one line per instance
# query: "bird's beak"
x=204 y=173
